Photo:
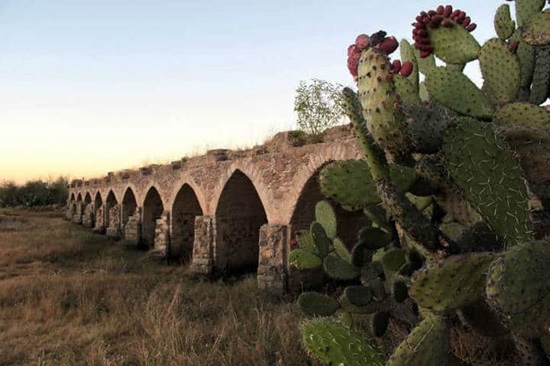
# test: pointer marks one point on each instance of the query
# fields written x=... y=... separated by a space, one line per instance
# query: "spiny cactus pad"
x=304 y=259
x=526 y=9
x=358 y=295
x=452 y=283
x=481 y=165
x=519 y=279
x=541 y=75
x=500 y=69
x=377 y=94
x=407 y=54
x=324 y=214
x=340 y=269
x=426 y=345
x=316 y=304
x=332 y=343
x=323 y=244
x=350 y=183
x=453 y=44
x=453 y=89
x=306 y=242
x=504 y=25
x=522 y=114
x=538 y=30
x=406 y=90
x=341 y=250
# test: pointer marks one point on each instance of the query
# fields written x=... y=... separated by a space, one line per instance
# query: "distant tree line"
x=34 y=193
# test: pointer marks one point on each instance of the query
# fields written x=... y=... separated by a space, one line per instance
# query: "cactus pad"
x=538 y=30
x=500 y=69
x=452 y=283
x=358 y=295
x=541 y=75
x=454 y=44
x=315 y=304
x=407 y=54
x=340 y=269
x=341 y=250
x=481 y=165
x=526 y=9
x=334 y=344
x=521 y=114
x=408 y=94
x=504 y=25
x=324 y=214
x=426 y=345
x=454 y=90
x=304 y=259
x=377 y=94
x=350 y=183
x=519 y=279
x=323 y=244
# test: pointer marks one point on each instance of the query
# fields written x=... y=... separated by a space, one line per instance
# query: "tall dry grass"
x=69 y=297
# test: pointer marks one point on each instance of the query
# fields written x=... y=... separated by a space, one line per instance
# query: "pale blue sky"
x=88 y=87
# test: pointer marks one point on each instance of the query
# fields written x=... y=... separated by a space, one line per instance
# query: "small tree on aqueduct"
x=319 y=105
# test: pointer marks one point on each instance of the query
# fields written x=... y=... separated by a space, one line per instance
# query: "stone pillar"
x=113 y=230
x=273 y=258
x=69 y=211
x=88 y=218
x=132 y=229
x=162 y=235
x=77 y=217
x=99 y=226
x=203 y=246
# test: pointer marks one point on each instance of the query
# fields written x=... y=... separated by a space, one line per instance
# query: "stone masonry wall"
x=277 y=173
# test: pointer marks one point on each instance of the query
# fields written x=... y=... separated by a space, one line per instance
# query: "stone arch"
x=79 y=197
x=72 y=198
x=348 y=223
x=240 y=214
x=98 y=202
x=152 y=210
x=184 y=210
x=88 y=198
x=110 y=202
x=129 y=205
x=255 y=177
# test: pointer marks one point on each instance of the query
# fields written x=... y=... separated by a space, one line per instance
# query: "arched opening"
x=110 y=202
x=152 y=210
x=186 y=207
x=98 y=202
x=72 y=205
x=348 y=223
x=239 y=216
x=129 y=205
x=87 y=198
x=79 y=197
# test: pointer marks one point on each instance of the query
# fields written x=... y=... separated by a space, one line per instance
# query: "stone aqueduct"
x=224 y=212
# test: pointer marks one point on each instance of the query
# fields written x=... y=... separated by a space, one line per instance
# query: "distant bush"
x=34 y=193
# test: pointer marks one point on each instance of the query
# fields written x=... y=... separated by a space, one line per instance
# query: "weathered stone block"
x=272 y=261
x=203 y=246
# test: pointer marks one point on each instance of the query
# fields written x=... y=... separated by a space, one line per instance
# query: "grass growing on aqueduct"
x=68 y=297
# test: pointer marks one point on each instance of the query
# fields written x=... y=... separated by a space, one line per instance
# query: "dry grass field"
x=69 y=297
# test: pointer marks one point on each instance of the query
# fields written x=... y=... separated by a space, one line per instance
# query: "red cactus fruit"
x=447 y=11
x=388 y=45
x=471 y=27
x=395 y=66
x=293 y=244
x=513 y=47
x=406 y=69
x=362 y=41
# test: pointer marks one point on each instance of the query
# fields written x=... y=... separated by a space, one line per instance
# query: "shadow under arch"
x=129 y=205
x=240 y=214
x=110 y=202
x=152 y=210
x=184 y=210
x=348 y=223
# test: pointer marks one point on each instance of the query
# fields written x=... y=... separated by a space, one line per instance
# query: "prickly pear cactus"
x=452 y=177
